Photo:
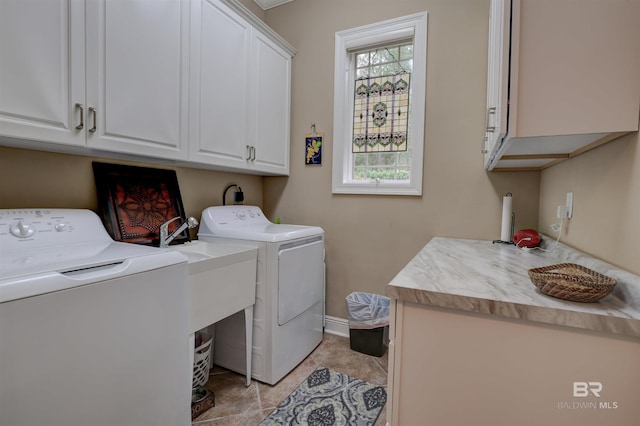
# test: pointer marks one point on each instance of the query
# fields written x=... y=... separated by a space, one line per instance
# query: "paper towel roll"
x=507 y=203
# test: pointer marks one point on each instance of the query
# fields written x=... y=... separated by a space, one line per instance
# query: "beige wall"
x=370 y=238
x=42 y=179
x=606 y=187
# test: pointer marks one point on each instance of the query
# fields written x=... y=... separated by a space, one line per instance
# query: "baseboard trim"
x=337 y=326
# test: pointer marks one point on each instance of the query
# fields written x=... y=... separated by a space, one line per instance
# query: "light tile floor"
x=239 y=405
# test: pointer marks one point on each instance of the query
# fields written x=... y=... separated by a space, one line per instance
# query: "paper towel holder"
x=513 y=222
x=511 y=228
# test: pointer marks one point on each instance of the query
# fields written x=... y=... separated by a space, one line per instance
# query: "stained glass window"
x=380 y=57
x=380 y=113
x=380 y=145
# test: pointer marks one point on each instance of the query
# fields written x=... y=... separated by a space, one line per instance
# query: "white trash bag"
x=367 y=310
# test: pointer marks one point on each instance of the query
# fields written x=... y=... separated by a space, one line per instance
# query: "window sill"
x=383 y=188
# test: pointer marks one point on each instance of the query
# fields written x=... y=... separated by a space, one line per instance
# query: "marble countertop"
x=478 y=276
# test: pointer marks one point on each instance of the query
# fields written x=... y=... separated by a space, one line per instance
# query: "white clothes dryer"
x=290 y=284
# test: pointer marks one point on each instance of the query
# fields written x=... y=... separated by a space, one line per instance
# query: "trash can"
x=368 y=322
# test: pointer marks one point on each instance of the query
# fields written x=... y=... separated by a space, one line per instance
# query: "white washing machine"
x=289 y=311
x=92 y=331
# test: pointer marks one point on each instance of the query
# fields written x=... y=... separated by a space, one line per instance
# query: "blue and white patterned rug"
x=328 y=398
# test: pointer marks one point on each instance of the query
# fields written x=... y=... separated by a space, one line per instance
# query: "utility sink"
x=222 y=280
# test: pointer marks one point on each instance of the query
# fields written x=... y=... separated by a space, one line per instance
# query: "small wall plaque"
x=313 y=148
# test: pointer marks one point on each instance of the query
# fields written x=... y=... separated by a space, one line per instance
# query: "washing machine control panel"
x=49 y=226
x=24 y=224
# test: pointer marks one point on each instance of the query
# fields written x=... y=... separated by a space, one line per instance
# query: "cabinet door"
x=497 y=75
x=572 y=80
x=578 y=68
x=271 y=106
x=137 y=71
x=220 y=48
x=42 y=70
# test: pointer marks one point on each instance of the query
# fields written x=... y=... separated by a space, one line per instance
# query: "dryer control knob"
x=60 y=226
x=21 y=230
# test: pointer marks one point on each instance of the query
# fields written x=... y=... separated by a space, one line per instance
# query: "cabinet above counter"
x=562 y=79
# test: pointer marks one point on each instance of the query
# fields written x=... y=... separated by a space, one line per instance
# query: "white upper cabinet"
x=136 y=102
x=240 y=91
x=497 y=76
x=42 y=74
x=271 y=106
x=219 y=93
x=563 y=80
x=137 y=76
x=201 y=82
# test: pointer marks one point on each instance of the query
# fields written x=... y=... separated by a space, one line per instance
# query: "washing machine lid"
x=249 y=223
x=72 y=258
x=45 y=250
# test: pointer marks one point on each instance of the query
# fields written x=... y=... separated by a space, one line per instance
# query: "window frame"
x=385 y=32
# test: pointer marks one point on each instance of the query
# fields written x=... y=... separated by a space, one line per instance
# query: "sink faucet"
x=165 y=238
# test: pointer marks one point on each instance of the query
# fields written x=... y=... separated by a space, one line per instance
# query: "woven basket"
x=573 y=282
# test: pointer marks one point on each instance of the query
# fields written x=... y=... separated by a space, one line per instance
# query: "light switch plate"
x=569 y=204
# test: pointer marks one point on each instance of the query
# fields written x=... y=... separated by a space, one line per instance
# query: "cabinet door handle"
x=248 y=152
x=81 y=125
x=491 y=114
x=94 y=113
x=483 y=148
x=253 y=153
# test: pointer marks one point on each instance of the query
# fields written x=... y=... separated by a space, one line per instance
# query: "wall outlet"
x=555 y=227
x=561 y=213
x=566 y=211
